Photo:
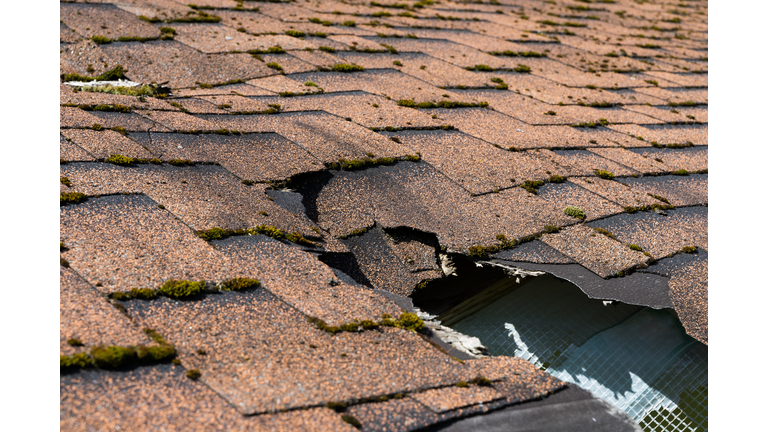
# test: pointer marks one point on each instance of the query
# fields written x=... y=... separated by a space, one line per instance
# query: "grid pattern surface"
x=639 y=359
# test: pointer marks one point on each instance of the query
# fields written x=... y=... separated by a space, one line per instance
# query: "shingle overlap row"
x=434 y=146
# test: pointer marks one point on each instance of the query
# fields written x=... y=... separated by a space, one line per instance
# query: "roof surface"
x=334 y=151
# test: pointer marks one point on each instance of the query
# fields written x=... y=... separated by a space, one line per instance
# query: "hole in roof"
x=637 y=358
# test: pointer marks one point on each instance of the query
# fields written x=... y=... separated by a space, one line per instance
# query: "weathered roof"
x=333 y=151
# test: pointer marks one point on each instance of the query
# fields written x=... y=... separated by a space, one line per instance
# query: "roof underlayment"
x=253 y=191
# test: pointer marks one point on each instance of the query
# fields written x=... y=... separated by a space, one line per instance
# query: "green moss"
x=348 y=23
x=605 y=232
x=481 y=68
x=576 y=212
x=685 y=104
x=119 y=129
x=202 y=18
x=660 y=198
x=369 y=325
x=347 y=68
x=410 y=321
x=275 y=66
x=551 y=229
x=481 y=381
x=143 y=293
x=509 y=53
x=194 y=374
x=462 y=384
x=71 y=198
x=298 y=238
x=604 y=174
x=65 y=181
x=101 y=40
x=74 y=342
x=112 y=75
x=556 y=179
x=635 y=247
x=680 y=172
x=349 y=327
x=75 y=361
x=532 y=186
x=119 y=159
x=113 y=357
x=521 y=68
x=336 y=406
x=482 y=252
x=295 y=33
x=112 y=108
x=140 y=90
x=352 y=421
x=155 y=354
x=689 y=249
x=181 y=288
x=601 y=104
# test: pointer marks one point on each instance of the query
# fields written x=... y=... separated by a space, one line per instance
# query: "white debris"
x=468 y=344
x=449 y=269
x=118 y=83
x=514 y=271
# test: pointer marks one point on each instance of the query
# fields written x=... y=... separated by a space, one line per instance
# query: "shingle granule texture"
x=349 y=154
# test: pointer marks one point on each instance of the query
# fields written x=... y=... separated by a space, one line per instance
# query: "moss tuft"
x=65 y=181
x=194 y=374
x=119 y=159
x=336 y=406
x=75 y=361
x=410 y=321
x=181 y=288
x=660 y=198
x=635 y=247
x=556 y=179
x=71 y=198
x=481 y=381
x=113 y=357
x=521 y=68
x=239 y=284
x=112 y=75
x=532 y=186
x=689 y=249
x=135 y=293
x=74 y=342
x=605 y=232
x=462 y=384
x=352 y=421
x=551 y=229
x=576 y=212
x=295 y=33
x=347 y=68
x=604 y=174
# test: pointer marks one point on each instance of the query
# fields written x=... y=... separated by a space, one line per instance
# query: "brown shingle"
x=86 y=316
x=202 y=196
x=271 y=357
x=598 y=253
x=105 y=143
